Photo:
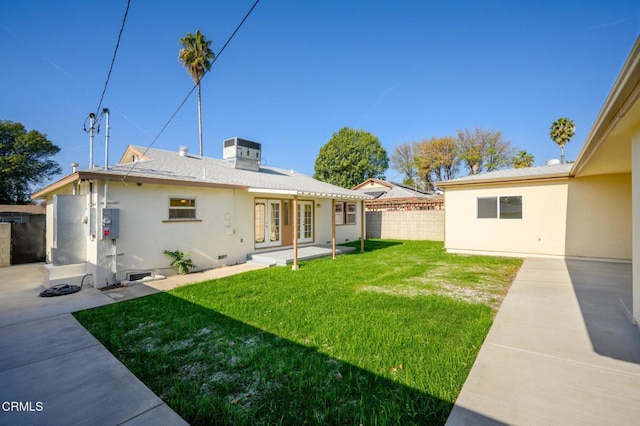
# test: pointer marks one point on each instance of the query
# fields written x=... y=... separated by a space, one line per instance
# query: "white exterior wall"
x=222 y=234
x=145 y=231
x=541 y=230
x=344 y=233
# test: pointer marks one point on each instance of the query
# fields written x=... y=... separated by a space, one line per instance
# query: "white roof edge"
x=274 y=191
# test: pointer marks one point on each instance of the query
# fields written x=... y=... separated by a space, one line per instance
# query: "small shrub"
x=180 y=261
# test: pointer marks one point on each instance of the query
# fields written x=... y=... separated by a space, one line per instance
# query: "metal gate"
x=27 y=242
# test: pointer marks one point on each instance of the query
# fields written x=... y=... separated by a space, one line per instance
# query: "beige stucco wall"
x=599 y=217
x=540 y=231
x=635 y=228
x=406 y=225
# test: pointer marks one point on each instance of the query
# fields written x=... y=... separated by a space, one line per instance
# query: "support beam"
x=333 y=228
x=296 y=228
x=362 y=228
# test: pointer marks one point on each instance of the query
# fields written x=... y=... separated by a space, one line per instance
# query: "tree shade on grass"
x=383 y=337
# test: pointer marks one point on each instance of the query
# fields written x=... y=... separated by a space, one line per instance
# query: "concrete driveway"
x=561 y=351
x=52 y=371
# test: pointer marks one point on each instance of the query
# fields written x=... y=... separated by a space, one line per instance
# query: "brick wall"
x=406 y=224
x=5 y=244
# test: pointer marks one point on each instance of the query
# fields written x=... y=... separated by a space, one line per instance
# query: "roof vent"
x=552 y=162
x=183 y=151
x=243 y=154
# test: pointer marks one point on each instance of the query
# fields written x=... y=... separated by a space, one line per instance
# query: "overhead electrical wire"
x=113 y=60
x=193 y=88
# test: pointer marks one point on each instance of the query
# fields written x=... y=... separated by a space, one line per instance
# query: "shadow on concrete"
x=599 y=288
x=214 y=369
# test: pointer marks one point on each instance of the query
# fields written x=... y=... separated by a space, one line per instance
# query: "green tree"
x=437 y=160
x=196 y=56
x=483 y=150
x=522 y=160
x=350 y=157
x=561 y=132
x=24 y=162
x=403 y=161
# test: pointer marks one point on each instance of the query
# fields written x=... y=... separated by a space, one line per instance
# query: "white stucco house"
x=589 y=209
x=116 y=221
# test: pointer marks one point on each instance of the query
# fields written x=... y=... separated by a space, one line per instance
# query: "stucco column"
x=333 y=228
x=296 y=226
x=635 y=225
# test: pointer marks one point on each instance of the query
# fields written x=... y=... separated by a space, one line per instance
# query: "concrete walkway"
x=57 y=371
x=561 y=351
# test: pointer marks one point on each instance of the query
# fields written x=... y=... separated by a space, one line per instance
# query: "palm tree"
x=561 y=132
x=196 y=56
x=523 y=159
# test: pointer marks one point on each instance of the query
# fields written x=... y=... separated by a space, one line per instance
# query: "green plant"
x=180 y=261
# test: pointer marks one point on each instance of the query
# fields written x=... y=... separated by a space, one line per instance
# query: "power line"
x=113 y=59
x=193 y=88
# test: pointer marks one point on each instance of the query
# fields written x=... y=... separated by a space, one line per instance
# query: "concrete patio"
x=284 y=257
x=561 y=351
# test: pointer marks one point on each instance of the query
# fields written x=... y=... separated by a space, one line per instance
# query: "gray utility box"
x=110 y=224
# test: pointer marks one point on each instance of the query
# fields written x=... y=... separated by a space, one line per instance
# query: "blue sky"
x=298 y=71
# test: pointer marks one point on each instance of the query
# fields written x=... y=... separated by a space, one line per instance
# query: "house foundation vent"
x=137 y=276
x=243 y=154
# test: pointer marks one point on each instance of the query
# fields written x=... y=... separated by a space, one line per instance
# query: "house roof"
x=380 y=189
x=607 y=148
x=510 y=175
x=28 y=209
x=170 y=168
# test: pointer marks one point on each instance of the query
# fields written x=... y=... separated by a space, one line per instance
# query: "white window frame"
x=193 y=208
x=346 y=213
x=499 y=213
x=339 y=213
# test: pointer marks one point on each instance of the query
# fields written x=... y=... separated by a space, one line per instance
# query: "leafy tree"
x=523 y=159
x=561 y=132
x=24 y=162
x=437 y=159
x=483 y=150
x=403 y=160
x=350 y=157
x=196 y=56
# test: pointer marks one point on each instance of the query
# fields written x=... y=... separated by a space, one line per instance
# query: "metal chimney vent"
x=183 y=151
x=243 y=154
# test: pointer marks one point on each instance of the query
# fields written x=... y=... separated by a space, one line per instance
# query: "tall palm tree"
x=561 y=132
x=196 y=56
x=523 y=159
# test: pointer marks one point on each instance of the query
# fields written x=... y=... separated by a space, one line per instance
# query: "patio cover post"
x=295 y=233
x=362 y=226
x=333 y=228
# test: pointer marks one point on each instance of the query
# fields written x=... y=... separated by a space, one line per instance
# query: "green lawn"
x=383 y=337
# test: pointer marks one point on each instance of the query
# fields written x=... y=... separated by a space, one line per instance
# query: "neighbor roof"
x=168 y=167
x=512 y=175
x=385 y=189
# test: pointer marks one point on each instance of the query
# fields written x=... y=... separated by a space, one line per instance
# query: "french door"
x=268 y=221
x=305 y=222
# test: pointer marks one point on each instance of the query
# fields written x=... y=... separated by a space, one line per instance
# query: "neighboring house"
x=397 y=196
x=22 y=214
x=584 y=210
x=402 y=212
x=119 y=219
